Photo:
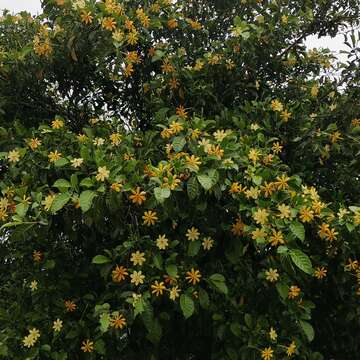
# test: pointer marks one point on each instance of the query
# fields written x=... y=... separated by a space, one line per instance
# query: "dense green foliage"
x=179 y=180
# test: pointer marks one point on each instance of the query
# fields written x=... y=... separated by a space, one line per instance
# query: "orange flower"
x=119 y=273
x=138 y=196
x=193 y=276
x=108 y=23
x=118 y=321
x=181 y=112
x=70 y=305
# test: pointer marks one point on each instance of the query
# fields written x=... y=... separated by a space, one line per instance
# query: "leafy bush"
x=180 y=192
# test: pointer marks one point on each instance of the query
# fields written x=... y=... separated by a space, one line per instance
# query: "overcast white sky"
x=33 y=6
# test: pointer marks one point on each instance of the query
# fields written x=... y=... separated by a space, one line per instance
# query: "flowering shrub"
x=207 y=230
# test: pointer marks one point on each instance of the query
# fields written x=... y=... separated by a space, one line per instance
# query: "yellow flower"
x=285 y=212
x=276 y=238
x=294 y=292
x=272 y=275
x=149 y=218
x=253 y=155
x=235 y=188
x=267 y=353
x=192 y=234
x=34 y=143
x=216 y=150
x=138 y=196
x=102 y=174
x=276 y=105
x=220 y=135
x=285 y=115
x=34 y=333
x=77 y=162
x=290 y=350
x=37 y=256
x=118 y=321
x=258 y=233
x=237 y=228
x=108 y=23
x=132 y=37
x=54 y=156
x=33 y=285
x=208 y=243
x=157 y=288
x=137 y=258
x=86 y=17
x=162 y=242
x=352 y=265
x=306 y=214
x=252 y=193
x=81 y=138
x=277 y=148
x=357 y=218
x=116 y=186
x=193 y=276
x=137 y=278
x=268 y=188
x=118 y=35
x=314 y=91
x=57 y=124
x=320 y=272
x=57 y=325
x=174 y=293
x=115 y=138
x=87 y=346
x=176 y=127
x=69 y=305
x=272 y=334
x=193 y=161
x=261 y=216
x=13 y=156
x=282 y=182
x=49 y=199
x=335 y=137
x=181 y=112
x=28 y=341
x=3 y=215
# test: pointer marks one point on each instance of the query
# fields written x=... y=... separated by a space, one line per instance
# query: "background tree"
x=194 y=154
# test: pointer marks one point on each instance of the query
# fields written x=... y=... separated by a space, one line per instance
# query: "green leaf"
x=49 y=264
x=298 y=230
x=74 y=181
x=100 y=259
x=187 y=305
x=172 y=270
x=192 y=188
x=104 y=322
x=158 y=261
x=194 y=247
x=283 y=290
x=99 y=347
x=86 y=199
x=161 y=194
x=302 y=261
x=308 y=330
x=61 y=183
x=61 y=162
x=236 y=329
x=204 y=299
x=205 y=181
x=21 y=209
x=87 y=182
x=59 y=202
x=178 y=143
x=218 y=281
